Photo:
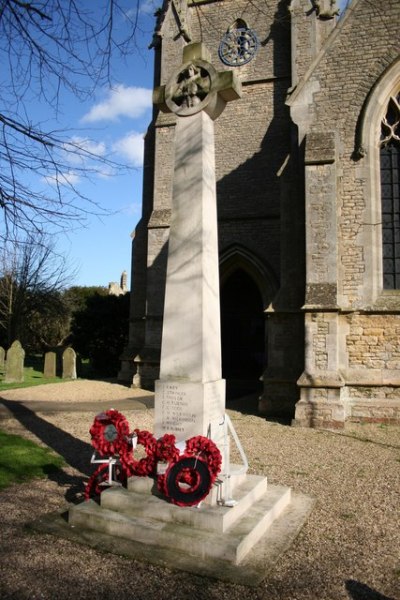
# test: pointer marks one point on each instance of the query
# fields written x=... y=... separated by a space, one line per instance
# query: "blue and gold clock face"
x=238 y=47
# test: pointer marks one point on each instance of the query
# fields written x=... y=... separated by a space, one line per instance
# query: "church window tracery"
x=390 y=193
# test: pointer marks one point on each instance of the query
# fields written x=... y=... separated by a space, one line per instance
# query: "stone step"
x=252 y=527
x=232 y=546
x=147 y=485
x=211 y=518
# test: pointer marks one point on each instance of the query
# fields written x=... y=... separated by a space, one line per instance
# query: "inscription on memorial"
x=176 y=409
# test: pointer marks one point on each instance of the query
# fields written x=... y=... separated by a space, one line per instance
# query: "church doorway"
x=242 y=334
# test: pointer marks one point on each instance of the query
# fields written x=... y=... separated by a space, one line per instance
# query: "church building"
x=307 y=170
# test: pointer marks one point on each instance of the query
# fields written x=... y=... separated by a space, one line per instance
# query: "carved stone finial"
x=192 y=87
x=361 y=151
x=179 y=8
x=197 y=86
x=157 y=36
x=325 y=9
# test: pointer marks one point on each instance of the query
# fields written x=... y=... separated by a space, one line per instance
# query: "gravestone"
x=69 y=364
x=15 y=363
x=50 y=364
x=2 y=358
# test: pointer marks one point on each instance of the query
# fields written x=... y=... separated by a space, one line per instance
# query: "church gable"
x=361 y=46
x=352 y=220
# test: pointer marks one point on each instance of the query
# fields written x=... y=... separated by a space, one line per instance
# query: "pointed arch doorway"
x=243 y=337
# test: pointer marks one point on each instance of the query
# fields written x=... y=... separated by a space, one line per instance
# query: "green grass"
x=21 y=460
x=31 y=377
x=33 y=374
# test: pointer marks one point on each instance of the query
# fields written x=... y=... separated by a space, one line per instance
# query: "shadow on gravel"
x=247 y=404
x=76 y=453
x=360 y=591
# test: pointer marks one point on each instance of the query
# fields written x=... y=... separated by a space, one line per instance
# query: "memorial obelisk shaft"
x=190 y=394
x=191 y=347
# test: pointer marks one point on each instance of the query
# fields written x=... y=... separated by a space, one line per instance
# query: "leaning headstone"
x=69 y=364
x=2 y=358
x=50 y=364
x=15 y=363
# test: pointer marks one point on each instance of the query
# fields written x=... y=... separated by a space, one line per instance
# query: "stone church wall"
x=298 y=204
x=351 y=368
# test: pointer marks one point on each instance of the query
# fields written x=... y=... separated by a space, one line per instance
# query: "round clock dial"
x=238 y=47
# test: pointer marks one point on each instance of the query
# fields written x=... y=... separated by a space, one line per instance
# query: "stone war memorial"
x=186 y=505
x=266 y=267
x=307 y=170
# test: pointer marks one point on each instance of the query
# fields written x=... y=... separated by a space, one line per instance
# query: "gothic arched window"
x=378 y=149
x=390 y=193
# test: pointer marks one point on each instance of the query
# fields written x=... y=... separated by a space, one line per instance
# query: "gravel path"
x=80 y=390
x=348 y=549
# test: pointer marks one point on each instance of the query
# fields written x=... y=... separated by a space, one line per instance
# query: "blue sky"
x=112 y=123
x=109 y=123
x=115 y=124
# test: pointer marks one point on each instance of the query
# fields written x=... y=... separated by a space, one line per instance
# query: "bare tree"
x=32 y=307
x=47 y=46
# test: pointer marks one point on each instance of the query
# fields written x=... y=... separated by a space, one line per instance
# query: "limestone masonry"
x=307 y=171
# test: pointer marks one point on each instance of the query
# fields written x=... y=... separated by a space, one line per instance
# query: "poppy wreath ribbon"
x=190 y=476
x=208 y=450
x=99 y=480
x=166 y=449
x=146 y=465
x=110 y=433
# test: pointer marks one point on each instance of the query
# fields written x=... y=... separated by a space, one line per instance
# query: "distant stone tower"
x=124 y=279
x=308 y=205
x=118 y=289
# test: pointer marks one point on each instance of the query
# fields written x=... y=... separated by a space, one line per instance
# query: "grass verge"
x=21 y=460
x=31 y=377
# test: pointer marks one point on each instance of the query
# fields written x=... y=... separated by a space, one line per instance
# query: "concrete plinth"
x=211 y=540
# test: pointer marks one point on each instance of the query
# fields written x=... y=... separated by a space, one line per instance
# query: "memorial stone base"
x=235 y=544
x=187 y=409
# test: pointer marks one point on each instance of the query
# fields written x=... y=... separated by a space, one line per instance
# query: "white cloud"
x=87 y=145
x=148 y=7
x=122 y=101
x=68 y=178
x=133 y=209
x=131 y=147
x=77 y=144
x=106 y=172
